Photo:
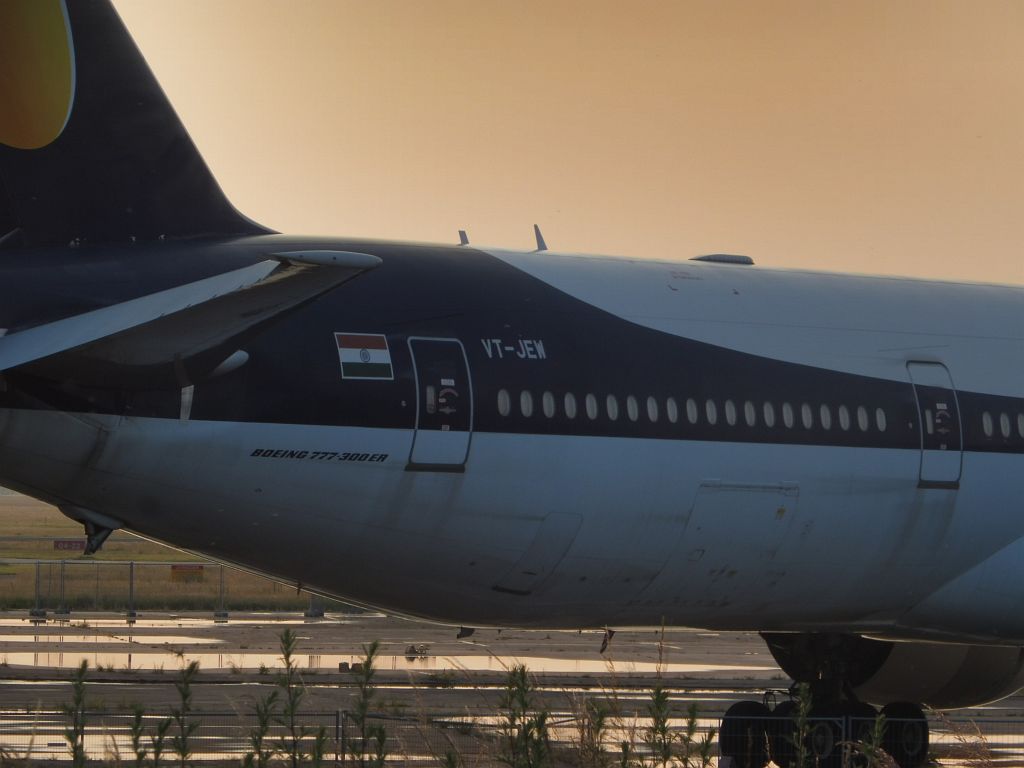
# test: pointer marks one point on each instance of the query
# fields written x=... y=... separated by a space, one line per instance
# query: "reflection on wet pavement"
x=168 y=660
x=62 y=637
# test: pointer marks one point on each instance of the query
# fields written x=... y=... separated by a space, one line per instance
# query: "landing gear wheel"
x=906 y=734
x=743 y=736
x=782 y=735
x=862 y=721
x=862 y=730
x=825 y=737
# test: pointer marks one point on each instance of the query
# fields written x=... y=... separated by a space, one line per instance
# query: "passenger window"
x=711 y=411
x=929 y=422
x=880 y=420
x=787 y=415
x=1004 y=424
x=825 y=414
x=730 y=412
x=611 y=405
x=569 y=404
x=591 y=403
x=750 y=413
x=986 y=423
x=526 y=403
x=430 y=397
x=1020 y=424
x=632 y=409
x=504 y=402
x=691 y=411
x=806 y=416
x=672 y=410
x=862 y=418
x=652 y=409
x=548 y=403
x=844 y=418
x=769 y=414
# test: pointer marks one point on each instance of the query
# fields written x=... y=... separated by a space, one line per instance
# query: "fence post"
x=38 y=612
x=316 y=607
x=221 y=613
x=131 y=592
x=62 y=604
x=339 y=730
x=849 y=730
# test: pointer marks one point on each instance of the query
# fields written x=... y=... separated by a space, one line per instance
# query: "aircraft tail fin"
x=90 y=148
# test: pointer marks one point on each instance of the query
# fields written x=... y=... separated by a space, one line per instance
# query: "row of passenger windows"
x=1005 y=424
x=845 y=418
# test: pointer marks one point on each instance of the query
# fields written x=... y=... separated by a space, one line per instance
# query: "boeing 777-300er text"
x=488 y=437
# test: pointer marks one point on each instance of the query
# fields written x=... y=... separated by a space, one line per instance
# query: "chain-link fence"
x=340 y=737
x=216 y=736
x=61 y=587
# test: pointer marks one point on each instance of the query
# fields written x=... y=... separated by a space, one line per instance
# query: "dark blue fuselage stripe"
x=294 y=377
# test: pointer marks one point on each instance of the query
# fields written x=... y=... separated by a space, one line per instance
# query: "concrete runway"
x=425 y=675
x=421 y=667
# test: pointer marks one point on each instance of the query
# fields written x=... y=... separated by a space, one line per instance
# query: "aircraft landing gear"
x=744 y=734
x=906 y=734
x=752 y=734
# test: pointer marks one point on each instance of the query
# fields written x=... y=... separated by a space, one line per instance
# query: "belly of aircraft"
x=546 y=531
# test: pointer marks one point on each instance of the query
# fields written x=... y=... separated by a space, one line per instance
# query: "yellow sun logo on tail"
x=37 y=72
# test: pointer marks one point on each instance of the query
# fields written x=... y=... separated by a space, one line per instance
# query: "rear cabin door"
x=444 y=405
x=941 y=437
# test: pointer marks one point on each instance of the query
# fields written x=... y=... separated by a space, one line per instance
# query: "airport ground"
x=424 y=671
x=425 y=675
x=442 y=673
x=420 y=666
x=163 y=578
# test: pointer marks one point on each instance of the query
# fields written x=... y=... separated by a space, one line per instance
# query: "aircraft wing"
x=180 y=324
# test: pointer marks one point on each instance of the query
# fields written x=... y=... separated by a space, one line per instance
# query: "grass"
x=30 y=526
x=95 y=583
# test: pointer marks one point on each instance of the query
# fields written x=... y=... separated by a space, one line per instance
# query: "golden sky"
x=864 y=136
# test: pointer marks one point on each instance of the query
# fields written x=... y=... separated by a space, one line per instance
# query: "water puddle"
x=61 y=637
x=253 y=662
x=169 y=641
x=176 y=622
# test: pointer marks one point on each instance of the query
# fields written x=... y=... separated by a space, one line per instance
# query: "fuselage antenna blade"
x=541 y=245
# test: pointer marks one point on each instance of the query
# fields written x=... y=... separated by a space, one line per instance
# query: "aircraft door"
x=444 y=405
x=939 y=417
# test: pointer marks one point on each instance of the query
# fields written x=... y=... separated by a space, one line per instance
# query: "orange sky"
x=859 y=136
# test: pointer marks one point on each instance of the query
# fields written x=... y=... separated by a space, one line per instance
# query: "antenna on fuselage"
x=541 y=245
x=463 y=237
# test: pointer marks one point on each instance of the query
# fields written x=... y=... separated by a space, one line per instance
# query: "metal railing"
x=225 y=737
x=61 y=587
x=218 y=736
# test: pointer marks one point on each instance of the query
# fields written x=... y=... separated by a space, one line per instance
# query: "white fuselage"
x=579 y=530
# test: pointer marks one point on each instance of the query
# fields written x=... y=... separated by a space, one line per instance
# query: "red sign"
x=69 y=545
x=187 y=572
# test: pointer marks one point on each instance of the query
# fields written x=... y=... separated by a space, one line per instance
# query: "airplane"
x=488 y=437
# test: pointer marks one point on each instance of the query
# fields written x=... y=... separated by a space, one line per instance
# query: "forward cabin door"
x=444 y=405
x=941 y=436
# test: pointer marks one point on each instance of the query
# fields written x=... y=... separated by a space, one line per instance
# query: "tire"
x=825 y=737
x=863 y=721
x=906 y=734
x=862 y=727
x=743 y=736
x=782 y=735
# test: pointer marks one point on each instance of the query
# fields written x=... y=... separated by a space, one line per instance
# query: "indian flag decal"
x=364 y=356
